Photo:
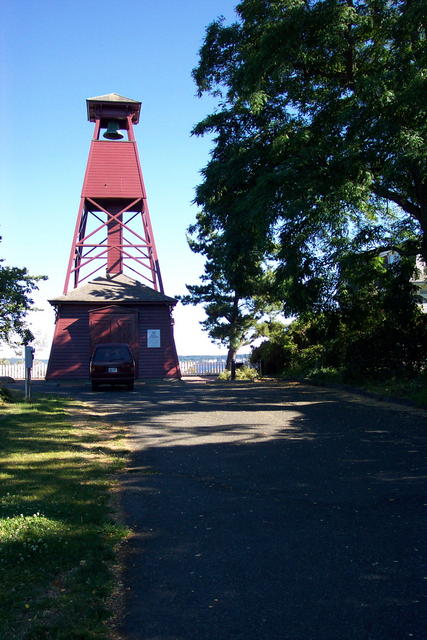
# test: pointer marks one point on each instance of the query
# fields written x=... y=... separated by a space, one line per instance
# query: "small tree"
x=16 y=286
x=234 y=287
x=230 y=319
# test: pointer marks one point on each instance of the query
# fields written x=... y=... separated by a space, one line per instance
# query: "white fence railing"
x=203 y=367
x=17 y=370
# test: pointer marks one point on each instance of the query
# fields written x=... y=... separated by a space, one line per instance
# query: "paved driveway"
x=272 y=511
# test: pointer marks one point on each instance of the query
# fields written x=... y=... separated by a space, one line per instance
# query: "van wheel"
x=95 y=386
x=130 y=386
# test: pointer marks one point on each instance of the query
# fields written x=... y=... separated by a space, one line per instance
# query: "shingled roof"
x=112 y=105
x=113 y=289
x=113 y=97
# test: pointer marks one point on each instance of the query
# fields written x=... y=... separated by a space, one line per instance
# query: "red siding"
x=112 y=171
x=69 y=355
x=71 y=346
x=157 y=362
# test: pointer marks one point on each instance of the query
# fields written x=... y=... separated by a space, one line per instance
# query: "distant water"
x=243 y=357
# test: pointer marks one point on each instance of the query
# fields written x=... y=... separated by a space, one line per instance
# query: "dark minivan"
x=112 y=364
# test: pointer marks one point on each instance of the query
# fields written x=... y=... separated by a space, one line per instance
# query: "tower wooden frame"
x=113 y=229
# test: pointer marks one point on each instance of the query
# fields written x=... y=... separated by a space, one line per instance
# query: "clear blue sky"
x=56 y=54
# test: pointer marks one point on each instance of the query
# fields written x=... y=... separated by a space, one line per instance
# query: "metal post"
x=28 y=358
x=27 y=383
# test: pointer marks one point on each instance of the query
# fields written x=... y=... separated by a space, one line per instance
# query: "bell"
x=112 y=132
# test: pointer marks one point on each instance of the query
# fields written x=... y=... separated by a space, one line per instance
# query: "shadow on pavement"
x=271 y=511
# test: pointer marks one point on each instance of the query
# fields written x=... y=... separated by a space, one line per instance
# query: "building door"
x=112 y=324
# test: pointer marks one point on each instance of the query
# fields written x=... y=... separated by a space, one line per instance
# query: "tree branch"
x=404 y=203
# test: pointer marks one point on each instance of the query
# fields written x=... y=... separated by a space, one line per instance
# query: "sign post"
x=29 y=357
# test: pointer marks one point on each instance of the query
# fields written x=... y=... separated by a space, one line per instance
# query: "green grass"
x=58 y=538
x=413 y=390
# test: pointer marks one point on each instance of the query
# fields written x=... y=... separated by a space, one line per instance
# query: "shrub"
x=388 y=352
x=326 y=374
x=5 y=394
x=272 y=357
x=242 y=373
x=246 y=373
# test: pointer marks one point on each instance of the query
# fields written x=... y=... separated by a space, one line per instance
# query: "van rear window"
x=111 y=354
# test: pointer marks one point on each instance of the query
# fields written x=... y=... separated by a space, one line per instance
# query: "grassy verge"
x=414 y=390
x=57 y=534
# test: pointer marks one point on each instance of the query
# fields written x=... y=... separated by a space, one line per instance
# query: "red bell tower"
x=113 y=236
x=113 y=228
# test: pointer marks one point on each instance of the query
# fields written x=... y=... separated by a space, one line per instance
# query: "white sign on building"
x=153 y=338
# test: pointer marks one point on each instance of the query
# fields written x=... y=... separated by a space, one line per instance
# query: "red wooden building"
x=113 y=240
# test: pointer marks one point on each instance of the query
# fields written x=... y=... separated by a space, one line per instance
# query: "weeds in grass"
x=57 y=536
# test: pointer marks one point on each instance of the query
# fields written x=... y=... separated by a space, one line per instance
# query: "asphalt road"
x=271 y=511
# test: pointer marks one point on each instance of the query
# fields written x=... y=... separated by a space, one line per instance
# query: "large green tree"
x=320 y=133
x=16 y=286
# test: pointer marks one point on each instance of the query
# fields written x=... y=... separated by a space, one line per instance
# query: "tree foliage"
x=321 y=131
x=319 y=165
x=16 y=286
x=376 y=331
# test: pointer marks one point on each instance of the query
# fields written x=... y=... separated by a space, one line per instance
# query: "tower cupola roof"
x=112 y=105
